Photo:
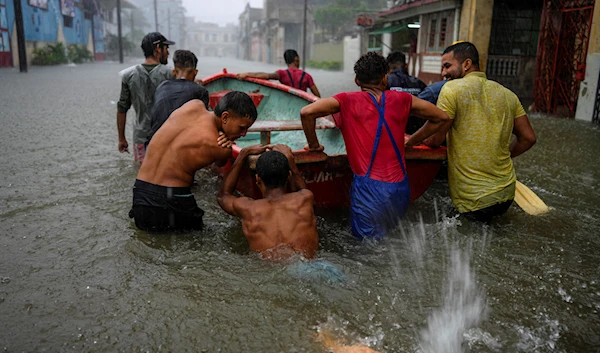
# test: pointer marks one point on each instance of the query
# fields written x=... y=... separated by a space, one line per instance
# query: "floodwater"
x=76 y=275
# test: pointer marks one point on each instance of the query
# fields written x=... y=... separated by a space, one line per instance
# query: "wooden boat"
x=328 y=174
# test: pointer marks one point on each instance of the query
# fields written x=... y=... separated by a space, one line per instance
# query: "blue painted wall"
x=42 y=25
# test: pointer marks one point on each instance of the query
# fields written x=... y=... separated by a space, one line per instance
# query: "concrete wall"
x=328 y=52
x=352 y=52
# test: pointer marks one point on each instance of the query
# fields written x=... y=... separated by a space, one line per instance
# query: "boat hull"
x=329 y=177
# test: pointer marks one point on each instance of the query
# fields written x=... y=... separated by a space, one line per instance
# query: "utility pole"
x=304 y=35
x=132 y=38
x=120 y=31
x=20 y=36
x=155 y=16
x=169 y=21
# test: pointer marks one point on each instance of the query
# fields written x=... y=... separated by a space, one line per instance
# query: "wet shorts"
x=139 y=152
x=486 y=214
x=158 y=207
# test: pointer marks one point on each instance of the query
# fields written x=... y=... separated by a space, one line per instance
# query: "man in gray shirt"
x=138 y=84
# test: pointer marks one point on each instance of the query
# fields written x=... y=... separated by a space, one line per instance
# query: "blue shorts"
x=377 y=206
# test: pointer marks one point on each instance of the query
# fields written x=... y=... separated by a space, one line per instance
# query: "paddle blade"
x=529 y=201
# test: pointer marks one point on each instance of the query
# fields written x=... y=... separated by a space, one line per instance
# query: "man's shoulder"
x=132 y=70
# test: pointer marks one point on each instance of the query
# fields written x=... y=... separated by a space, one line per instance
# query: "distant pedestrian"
x=138 y=85
x=293 y=76
x=172 y=94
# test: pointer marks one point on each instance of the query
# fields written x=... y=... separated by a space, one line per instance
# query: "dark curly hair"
x=185 y=60
x=273 y=168
x=371 y=68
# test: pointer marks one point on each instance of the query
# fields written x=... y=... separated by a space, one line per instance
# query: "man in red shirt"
x=293 y=76
x=373 y=122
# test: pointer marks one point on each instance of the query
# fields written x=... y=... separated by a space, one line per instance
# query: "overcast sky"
x=218 y=11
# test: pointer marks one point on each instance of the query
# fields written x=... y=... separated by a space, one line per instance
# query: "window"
x=68 y=21
x=442 y=36
x=432 y=33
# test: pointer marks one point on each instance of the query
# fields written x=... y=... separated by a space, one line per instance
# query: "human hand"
x=241 y=76
x=123 y=146
x=255 y=149
x=321 y=148
x=199 y=81
x=285 y=149
x=223 y=141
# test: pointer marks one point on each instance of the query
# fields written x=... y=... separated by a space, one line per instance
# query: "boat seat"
x=265 y=127
x=215 y=97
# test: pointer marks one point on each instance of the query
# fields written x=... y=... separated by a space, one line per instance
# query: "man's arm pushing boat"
x=225 y=198
x=309 y=115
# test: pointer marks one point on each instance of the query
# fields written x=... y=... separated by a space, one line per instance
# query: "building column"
x=588 y=89
x=476 y=26
x=386 y=44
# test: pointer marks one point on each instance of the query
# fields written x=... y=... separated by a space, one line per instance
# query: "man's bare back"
x=281 y=224
x=191 y=139
x=186 y=143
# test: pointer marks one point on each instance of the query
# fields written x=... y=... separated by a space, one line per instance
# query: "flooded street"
x=77 y=276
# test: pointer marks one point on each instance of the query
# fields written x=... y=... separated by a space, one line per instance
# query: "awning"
x=389 y=29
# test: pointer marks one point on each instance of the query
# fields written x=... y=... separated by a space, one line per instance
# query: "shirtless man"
x=192 y=138
x=283 y=223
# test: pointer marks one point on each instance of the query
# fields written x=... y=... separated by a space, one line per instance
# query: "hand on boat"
x=255 y=149
x=199 y=81
x=241 y=76
x=321 y=148
x=223 y=141
x=285 y=149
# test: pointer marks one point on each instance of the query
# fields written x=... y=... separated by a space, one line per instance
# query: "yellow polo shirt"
x=480 y=170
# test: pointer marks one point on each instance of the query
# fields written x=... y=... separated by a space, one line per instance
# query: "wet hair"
x=289 y=56
x=273 y=169
x=185 y=60
x=396 y=57
x=371 y=68
x=238 y=103
x=463 y=51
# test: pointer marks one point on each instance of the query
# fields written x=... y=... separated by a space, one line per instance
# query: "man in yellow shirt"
x=483 y=117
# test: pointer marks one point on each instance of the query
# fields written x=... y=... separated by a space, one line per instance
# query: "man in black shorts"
x=192 y=138
x=172 y=94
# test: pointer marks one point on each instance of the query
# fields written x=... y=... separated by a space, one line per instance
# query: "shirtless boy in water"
x=281 y=224
x=192 y=138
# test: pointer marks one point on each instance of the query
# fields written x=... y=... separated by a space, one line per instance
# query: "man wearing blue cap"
x=138 y=84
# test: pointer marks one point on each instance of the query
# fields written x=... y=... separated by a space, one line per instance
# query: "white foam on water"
x=463 y=308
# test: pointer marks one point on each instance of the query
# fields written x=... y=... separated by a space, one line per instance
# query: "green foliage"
x=79 y=54
x=334 y=17
x=50 y=55
x=112 y=46
x=55 y=54
x=325 y=65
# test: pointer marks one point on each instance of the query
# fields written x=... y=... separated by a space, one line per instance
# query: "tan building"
x=210 y=39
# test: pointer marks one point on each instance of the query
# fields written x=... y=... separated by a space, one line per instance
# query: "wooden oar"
x=529 y=201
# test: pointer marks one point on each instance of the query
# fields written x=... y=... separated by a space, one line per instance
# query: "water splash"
x=463 y=308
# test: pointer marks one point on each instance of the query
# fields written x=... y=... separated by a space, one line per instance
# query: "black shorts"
x=158 y=207
x=486 y=214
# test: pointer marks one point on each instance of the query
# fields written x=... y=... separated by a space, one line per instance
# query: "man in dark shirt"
x=172 y=94
x=399 y=79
